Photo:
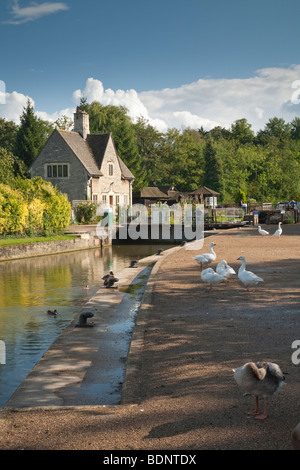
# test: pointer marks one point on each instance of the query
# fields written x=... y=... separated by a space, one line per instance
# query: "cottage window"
x=95 y=197
x=117 y=200
x=57 y=171
x=110 y=169
x=104 y=198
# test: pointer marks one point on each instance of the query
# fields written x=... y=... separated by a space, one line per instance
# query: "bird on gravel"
x=278 y=231
x=206 y=258
x=248 y=278
x=260 y=379
x=224 y=268
x=262 y=232
x=209 y=276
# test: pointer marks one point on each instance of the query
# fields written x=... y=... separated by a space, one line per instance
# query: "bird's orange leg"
x=264 y=415
x=257 y=410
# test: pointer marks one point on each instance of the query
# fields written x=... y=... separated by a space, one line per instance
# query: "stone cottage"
x=84 y=165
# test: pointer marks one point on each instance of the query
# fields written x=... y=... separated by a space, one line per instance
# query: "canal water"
x=30 y=287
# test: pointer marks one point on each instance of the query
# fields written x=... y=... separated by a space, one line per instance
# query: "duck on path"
x=262 y=232
x=248 y=278
x=209 y=276
x=278 y=231
x=206 y=258
x=107 y=277
x=260 y=379
x=224 y=268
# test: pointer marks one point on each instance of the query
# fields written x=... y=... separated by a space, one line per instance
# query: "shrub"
x=86 y=212
x=33 y=206
x=13 y=211
x=240 y=196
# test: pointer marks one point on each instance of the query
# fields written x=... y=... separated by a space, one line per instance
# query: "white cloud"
x=34 y=11
x=206 y=103
x=94 y=91
x=14 y=104
x=267 y=94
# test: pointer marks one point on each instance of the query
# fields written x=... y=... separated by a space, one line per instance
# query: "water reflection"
x=29 y=287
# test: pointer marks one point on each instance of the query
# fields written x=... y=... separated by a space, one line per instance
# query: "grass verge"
x=21 y=241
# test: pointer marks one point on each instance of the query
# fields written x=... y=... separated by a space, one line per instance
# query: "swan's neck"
x=243 y=266
x=212 y=250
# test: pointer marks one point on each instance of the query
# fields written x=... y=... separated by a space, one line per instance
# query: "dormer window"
x=110 y=169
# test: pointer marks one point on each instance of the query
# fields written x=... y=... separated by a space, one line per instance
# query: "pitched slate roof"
x=152 y=191
x=98 y=144
x=82 y=151
x=91 y=151
x=205 y=191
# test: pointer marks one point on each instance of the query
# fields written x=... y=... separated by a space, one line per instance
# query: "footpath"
x=179 y=392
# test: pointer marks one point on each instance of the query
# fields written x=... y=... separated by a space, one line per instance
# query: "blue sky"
x=177 y=62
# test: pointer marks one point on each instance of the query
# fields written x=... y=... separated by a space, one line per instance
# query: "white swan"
x=261 y=379
x=225 y=269
x=206 y=258
x=210 y=277
x=278 y=231
x=247 y=277
x=262 y=232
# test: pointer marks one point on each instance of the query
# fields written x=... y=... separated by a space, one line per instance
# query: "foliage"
x=31 y=136
x=265 y=165
x=8 y=134
x=32 y=206
x=64 y=123
x=10 y=166
x=86 y=212
x=240 y=196
x=13 y=210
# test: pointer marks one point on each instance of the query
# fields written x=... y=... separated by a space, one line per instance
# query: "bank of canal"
x=29 y=287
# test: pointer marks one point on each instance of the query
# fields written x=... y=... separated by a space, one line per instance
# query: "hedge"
x=32 y=207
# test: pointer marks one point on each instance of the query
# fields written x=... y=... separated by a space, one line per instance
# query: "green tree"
x=64 y=123
x=31 y=136
x=241 y=132
x=213 y=170
x=275 y=128
x=10 y=167
x=295 y=129
x=8 y=134
x=149 y=143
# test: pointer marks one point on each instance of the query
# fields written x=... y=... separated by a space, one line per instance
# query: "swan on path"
x=248 y=278
x=224 y=268
x=206 y=258
x=210 y=277
x=262 y=232
x=278 y=231
x=260 y=379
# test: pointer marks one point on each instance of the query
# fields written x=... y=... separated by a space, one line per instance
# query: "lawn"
x=21 y=241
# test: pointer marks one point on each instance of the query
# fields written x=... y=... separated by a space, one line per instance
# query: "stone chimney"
x=81 y=123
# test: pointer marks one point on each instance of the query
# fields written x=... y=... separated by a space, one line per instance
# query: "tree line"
x=265 y=165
